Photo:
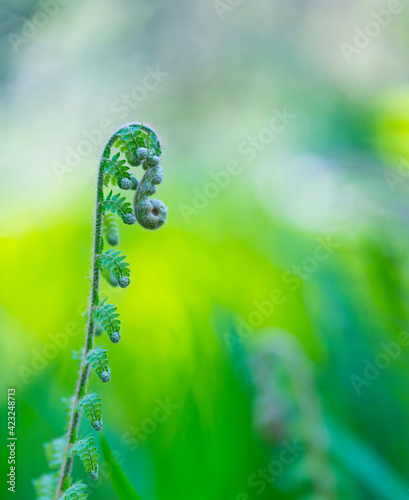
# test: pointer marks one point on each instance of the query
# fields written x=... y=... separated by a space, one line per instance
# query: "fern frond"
x=54 y=452
x=119 y=170
x=45 y=486
x=108 y=317
x=75 y=492
x=109 y=277
x=91 y=405
x=98 y=359
x=110 y=229
x=117 y=205
x=114 y=261
x=88 y=453
x=129 y=140
x=152 y=143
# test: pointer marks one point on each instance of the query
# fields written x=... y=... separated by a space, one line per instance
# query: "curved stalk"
x=147 y=214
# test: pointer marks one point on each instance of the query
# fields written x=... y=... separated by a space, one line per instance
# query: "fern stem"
x=89 y=337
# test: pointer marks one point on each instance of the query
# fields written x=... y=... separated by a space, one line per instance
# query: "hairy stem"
x=89 y=336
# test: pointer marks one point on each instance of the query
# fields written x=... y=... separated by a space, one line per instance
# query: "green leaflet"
x=114 y=167
x=109 y=277
x=129 y=139
x=91 y=405
x=108 y=317
x=75 y=492
x=98 y=359
x=45 y=486
x=54 y=452
x=110 y=229
x=117 y=205
x=86 y=450
x=114 y=261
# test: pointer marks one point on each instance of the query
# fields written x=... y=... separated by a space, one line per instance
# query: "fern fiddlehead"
x=141 y=147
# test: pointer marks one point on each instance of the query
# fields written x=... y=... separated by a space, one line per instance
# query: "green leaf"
x=115 y=168
x=364 y=463
x=114 y=261
x=75 y=492
x=54 y=452
x=98 y=359
x=117 y=205
x=108 y=317
x=121 y=484
x=88 y=453
x=91 y=405
x=45 y=486
x=129 y=140
x=109 y=277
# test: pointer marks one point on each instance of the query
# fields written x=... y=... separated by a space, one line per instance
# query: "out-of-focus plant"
x=141 y=147
x=287 y=406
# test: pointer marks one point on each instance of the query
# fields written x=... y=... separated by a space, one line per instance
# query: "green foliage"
x=109 y=277
x=117 y=205
x=108 y=317
x=45 y=486
x=130 y=138
x=120 y=482
x=98 y=359
x=110 y=229
x=115 y=168
x=75 y=492
x=88 y=453
x=54 y=452
x=114 y=261
x=91 y=405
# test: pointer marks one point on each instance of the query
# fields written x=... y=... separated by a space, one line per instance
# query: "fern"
x=98 y=359
x=54 y=452
x=45 y=486
x=117 y=205
x=109 y=277
x=114 y=261
x=141 y=146
x=129 y=142
x=119 y=170
x=86 y=450
x=91 y=405
x=75 y=492
x=108 y=318
x=110 y=229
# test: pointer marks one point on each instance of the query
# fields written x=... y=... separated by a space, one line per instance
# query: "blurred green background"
x=268 y=315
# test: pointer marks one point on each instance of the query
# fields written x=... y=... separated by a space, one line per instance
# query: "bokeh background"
x=269 y=314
